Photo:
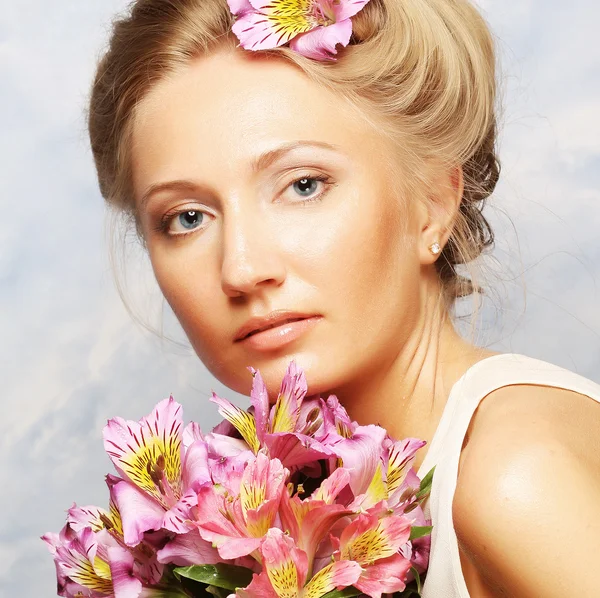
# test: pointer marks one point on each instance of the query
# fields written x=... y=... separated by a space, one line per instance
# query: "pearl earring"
x=435 y=248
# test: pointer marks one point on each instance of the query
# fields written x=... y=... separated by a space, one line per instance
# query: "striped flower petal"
x=338 y=575
x=285 y=564
x=361 y=455
x=149 y=452
x=285 y=412
x=139 y=512
x=87 y=566
x=314 y=27
x=95 y=518
x=262 y=485
x=274 y=23
x=401 y=457
x=243 y=421
x=259 y=397
x=368 y=538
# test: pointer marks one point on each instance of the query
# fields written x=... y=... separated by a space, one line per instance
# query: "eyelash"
x=163 y=225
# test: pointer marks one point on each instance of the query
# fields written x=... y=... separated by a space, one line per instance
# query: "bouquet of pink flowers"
x=293 y=500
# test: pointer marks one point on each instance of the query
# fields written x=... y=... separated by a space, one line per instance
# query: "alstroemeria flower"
x=161 y=476
x=235 y=519
x=309 y=521
x=108 y=523
x=282 y=428
x=286 y=570
x=86 y=567
x=375 y=543
x=314 y=27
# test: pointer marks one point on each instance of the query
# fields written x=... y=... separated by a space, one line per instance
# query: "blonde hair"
x=424 y=68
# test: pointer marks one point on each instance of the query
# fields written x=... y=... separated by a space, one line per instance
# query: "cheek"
x=366 y=253
x=187 y=282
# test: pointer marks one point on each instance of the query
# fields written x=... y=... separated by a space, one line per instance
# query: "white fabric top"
x=444 y=577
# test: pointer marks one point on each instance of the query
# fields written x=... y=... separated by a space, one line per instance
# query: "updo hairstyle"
x=424 y=68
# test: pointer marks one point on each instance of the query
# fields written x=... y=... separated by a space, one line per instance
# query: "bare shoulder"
x=527 y=505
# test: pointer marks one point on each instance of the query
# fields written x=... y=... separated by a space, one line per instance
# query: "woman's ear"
x=440 y=209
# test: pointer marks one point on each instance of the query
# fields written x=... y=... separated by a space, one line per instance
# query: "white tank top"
x=444 y=577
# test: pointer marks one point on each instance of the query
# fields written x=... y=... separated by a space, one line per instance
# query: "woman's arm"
x=527 y=505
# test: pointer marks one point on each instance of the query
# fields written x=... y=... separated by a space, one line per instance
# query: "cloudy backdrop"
x=70 y=355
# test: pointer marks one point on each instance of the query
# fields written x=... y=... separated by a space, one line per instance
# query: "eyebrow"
x=267 y=158
x=262 y=162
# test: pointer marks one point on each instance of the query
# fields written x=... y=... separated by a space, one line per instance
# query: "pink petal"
x=343 y=425
x=233 y=548
x=131 y=444
x=228 y=471
x=259 y=397
x=331 y=486
x=399 y=460
x=125 y=584
x=210 y=518
x=338 y=575
x=188 y=549
x=52 y=540
x=286 y=411
x=347 y=8
x=386 y=576
x=259 y=587
x=81 y=517
x=320 y=43
x=264 y=478
x=361 y=455
x=404 y=494
x=312 y=418
x=295 y=450
x=257 y=31
x=139 y=512
x=214 y=521
x=239 y=7
x=220 y=445
x=285 y=564
x=195 y=470
x=179 y=519
x=369 y=538
x=309 y=521
x=76 y=566
x=243 y=421
x=192 y=433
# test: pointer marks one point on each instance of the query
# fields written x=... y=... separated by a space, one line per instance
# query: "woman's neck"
x=408 y=397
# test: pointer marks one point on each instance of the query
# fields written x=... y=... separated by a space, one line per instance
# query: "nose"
x=252 y=260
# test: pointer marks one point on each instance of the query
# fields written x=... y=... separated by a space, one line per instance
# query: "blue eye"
x=190 y=219
x=306 y=186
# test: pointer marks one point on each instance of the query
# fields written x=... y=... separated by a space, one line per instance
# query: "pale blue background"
x=70 y=356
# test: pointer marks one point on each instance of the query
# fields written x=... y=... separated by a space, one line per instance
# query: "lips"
x=272 y=320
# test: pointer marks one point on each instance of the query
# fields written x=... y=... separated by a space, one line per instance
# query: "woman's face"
x=260 y=191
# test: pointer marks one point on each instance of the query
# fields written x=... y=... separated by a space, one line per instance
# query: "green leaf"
x=218 y=592
x=413 y=589
x=425 y=487
x=417 y=579
x=220 y=575
x=348 y=592
x=420 y=531
x=408 y=593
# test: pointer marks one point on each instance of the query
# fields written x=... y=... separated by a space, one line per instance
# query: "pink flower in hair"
x=313 y=27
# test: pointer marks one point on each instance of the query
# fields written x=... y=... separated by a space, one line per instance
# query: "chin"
x=321 y=372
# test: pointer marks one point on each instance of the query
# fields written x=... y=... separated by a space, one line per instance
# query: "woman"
x=312 y=201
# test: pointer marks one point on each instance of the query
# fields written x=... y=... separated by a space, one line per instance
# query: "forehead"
x=227 y=108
